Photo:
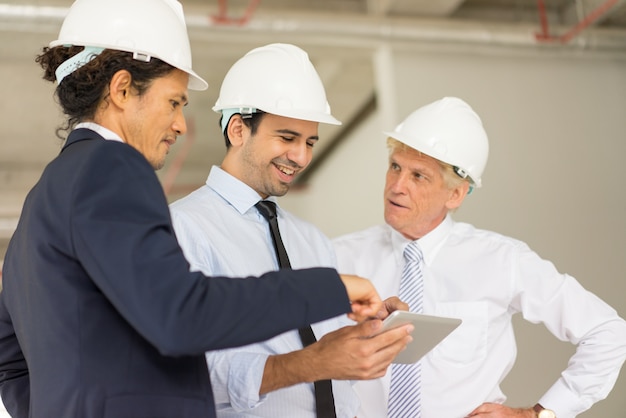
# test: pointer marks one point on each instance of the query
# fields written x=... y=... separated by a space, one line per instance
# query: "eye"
x=394 y=167
x=311 y=144
x=287 y=138
x=175 y=103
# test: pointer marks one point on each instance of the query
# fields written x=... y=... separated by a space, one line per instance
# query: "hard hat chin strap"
x=464 y=174
x=69 y=66
x=460 y=172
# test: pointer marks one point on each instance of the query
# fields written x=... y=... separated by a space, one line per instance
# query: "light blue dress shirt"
x=221 y=232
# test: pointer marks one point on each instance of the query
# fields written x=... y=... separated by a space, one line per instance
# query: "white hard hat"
x=147 y=28
x=450 y=131
x=278 y=79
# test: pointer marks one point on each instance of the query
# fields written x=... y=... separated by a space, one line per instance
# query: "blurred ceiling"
x=341 y=37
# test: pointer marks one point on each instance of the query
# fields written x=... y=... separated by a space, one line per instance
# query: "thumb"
x=368 y=328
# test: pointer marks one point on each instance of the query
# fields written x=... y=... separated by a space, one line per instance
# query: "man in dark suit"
x=99 y=315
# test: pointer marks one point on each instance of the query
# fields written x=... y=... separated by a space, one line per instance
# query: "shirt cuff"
x=563 y=401
x=244 y=380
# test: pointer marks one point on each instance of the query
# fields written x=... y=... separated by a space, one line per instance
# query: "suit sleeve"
x=122 y=233
x=14 y=377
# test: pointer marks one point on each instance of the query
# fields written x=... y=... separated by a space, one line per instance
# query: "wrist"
x=283 y=370
x=311 y=364
x=541 y=412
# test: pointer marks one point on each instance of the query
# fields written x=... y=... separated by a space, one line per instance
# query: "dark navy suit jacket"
x=99 y=314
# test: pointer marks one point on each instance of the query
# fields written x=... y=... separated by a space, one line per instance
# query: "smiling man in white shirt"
x=436 y=157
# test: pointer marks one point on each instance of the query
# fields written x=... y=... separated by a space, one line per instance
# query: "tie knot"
x=412 y=252
x=266 y=208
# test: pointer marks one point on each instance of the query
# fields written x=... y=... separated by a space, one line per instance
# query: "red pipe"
x=583 y=24
x=588 y=20
x=544 y=20
x=223 y=19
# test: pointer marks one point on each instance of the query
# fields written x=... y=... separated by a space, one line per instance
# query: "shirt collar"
x=237 y=193
x=101 y=130
x=429 y=243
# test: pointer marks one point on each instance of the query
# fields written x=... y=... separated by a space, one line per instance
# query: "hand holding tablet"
x=429 y=331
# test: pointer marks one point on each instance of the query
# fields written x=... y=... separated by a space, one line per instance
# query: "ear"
x=236 y=130
x=457 y=195
x=120 y=88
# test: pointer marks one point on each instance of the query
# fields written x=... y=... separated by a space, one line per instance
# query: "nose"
x=396 y=182
x=300 y=153
x=180 y=124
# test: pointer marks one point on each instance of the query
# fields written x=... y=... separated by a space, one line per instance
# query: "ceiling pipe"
x=587 y=21
x=345 y=30
x=368 y=31
x=32 y=12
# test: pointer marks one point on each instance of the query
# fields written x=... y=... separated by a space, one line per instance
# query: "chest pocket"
x=468 y=343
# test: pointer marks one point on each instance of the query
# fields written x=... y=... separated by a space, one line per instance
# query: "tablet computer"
x=429 y=331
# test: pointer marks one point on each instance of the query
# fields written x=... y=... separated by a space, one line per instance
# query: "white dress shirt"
x=485 y=278
x=221 y=232
x=100 y=130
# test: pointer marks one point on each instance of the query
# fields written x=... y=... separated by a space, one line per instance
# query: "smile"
x=285 y=170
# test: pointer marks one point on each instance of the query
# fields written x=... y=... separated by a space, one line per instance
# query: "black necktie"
x=324 y=401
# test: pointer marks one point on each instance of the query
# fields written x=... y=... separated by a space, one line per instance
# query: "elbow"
x=179 y=342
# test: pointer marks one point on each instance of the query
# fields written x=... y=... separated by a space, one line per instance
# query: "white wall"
x=556 y=122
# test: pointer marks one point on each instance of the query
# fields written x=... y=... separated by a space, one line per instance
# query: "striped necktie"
x=404 y=393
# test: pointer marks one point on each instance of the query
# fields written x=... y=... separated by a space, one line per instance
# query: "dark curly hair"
x=81 y=92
